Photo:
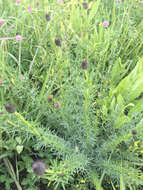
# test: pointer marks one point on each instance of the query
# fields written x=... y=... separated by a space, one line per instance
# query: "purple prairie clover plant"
x=39 y=167
x=119 y=1
x=105 y=23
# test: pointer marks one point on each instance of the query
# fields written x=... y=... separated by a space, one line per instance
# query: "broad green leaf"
x=131 y=86
x=116 y=72
x=19 y=149
x=94 y=9
x=137 y=108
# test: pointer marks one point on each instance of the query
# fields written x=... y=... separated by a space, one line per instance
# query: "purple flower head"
x=1 y=21
x=119 y=1
x=39 y=167
x=10 y=108
x=18 y=2
x=29 y=9
x=22 y=78
x=18 y=37
x=60 y=1
x=0 y=82
x=105 y=23
x=1 y=112
x=56 y=105
x=84 y=65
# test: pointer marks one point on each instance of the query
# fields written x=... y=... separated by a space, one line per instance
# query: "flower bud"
x=85 y=5
x=58 y=42
x=39 y=167
x=10 y=108
x=84 y=65
x=48 y=17
x=50 y=97
x=134 y=132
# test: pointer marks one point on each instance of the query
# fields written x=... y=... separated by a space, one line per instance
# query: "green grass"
x=84 y=134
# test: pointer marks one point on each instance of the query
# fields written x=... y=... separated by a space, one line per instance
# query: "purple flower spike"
x=119 y=1
x=105 y=23
x=39 y=167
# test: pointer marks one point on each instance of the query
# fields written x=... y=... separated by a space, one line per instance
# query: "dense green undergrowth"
x=71 y=75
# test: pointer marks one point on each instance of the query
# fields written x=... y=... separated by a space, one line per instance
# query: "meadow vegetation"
x=71 y=88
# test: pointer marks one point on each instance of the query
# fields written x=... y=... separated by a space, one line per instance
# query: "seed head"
x=10 y=108
x=50 y=97
x=134 y=132
x=48 y=17
x=58 y=42
x=39 y=167
x=85 y=5
x=84 y=65
x=37 y=2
